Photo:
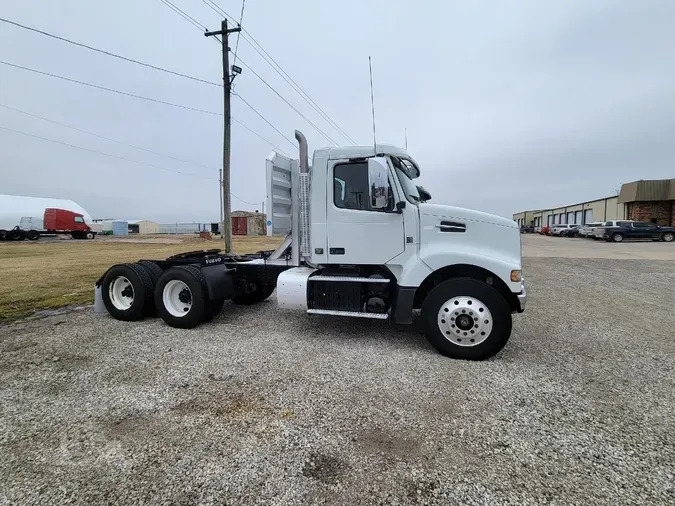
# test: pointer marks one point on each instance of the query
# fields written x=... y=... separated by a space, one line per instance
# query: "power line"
x=110 y=155
x=263 y=117
x=147 y=98
x=291 y=82
x=287 y=102
x=241 y=18
x=108 y=53
x=279 y=70
x=278 y=150
x=110 y=89
x=215 y=7
x=183 y=14
x=106 y=154
x=104 y=137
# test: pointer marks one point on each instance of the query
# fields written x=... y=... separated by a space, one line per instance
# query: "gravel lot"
x=264 y=406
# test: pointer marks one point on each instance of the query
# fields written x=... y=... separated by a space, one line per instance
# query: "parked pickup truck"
x=638 y=230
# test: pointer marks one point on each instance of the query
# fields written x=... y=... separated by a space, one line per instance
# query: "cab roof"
x=348 y=152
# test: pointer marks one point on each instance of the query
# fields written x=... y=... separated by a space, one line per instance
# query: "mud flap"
x=99 y=307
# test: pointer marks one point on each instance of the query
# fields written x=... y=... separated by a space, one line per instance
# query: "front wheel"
x=668 y=237
x=467 y=319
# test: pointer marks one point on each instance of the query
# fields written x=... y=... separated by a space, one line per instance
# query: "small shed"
x=248 y=223
x=120 y=227
x=143 y=227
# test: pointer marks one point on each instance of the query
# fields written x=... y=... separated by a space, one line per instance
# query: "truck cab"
x=361 y=241
x=391 y=254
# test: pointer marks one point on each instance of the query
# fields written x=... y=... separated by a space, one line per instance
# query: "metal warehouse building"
x=644 y=200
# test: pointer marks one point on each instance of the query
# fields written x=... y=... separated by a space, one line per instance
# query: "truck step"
x=349 y=279
x=353 y=314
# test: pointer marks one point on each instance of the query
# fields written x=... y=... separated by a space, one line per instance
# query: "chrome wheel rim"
x=121 y=293
x=465 y=321
x=177 y=298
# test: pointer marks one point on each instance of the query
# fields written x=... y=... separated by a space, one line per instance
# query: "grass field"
x=45 y=275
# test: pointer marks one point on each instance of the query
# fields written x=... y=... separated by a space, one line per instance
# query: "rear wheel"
x=181 y=297
x=154 y=271
x=14 y=235
x=467 y=319
x=668 y=237
x=213 y=309
x=127 y=292
x=618 y=237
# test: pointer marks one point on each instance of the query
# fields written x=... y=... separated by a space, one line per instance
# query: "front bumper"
x=522 y=297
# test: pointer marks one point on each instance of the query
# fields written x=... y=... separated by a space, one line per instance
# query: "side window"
x=351 y=189
x=640 y=224
x=78 y=219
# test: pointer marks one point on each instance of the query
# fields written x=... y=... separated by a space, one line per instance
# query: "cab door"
x=361 y=220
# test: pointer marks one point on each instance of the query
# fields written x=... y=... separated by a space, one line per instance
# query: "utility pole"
x=226 y=205
x=220 y=193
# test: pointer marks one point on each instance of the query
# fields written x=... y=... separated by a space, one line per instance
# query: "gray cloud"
x=507 y=106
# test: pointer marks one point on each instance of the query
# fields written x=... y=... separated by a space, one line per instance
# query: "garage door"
x=549 y=220
x=577 y=217
x=588 y=218
x=570 y=218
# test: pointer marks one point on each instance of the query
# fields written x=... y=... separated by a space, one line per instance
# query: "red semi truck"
x=55 y=221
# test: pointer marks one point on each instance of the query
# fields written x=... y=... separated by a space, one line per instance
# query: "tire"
x=32 y=235
x=118 y=300
x=466 y=293
x=90 y=235
x=76 y=235
x=14 y=235
x=154 y=271
x=258 y=295
x=213 y=309
x=668 y=237
x=618 y=237
x=184 y=289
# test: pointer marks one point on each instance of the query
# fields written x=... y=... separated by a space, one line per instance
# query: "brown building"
x=650 y=200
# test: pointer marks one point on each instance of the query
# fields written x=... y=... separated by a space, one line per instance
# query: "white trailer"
x=20 y=213
x=360 y=242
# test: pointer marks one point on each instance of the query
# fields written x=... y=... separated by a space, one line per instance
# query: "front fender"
x=437 y=258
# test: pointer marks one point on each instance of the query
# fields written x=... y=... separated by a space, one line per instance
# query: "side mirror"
x=400 y=206
x=424 y=194
x=378 y=183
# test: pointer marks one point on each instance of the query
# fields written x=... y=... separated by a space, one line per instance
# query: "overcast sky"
x=508 y=105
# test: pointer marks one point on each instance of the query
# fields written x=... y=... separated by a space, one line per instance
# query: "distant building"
x=143 y=227
x=248 y=223
x=652 y=200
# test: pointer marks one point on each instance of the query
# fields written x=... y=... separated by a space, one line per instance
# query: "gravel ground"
x=264 y=406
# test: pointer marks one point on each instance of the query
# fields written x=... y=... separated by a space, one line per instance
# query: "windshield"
x=409 y=188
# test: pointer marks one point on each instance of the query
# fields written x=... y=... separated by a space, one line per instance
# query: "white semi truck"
x=360 y=243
